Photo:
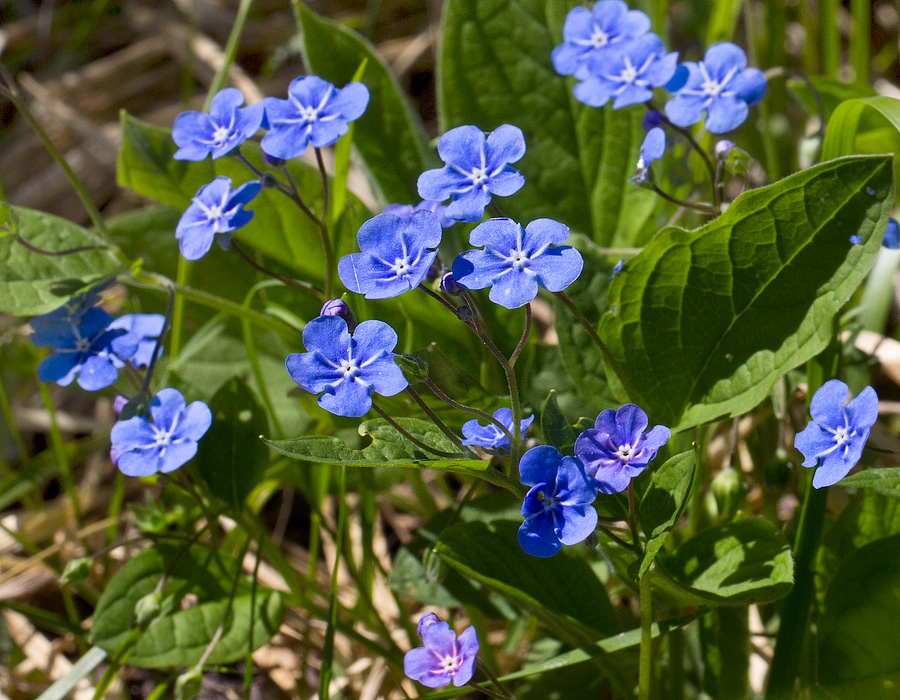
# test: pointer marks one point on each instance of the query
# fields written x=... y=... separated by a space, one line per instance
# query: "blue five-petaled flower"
x=489 y=436
x=395 y=254
x=617 y=449
x=722 y=86
x=444 y=658
x=141 y=332
x=557 y=507
x=142 y=446
x=315 y=112
x=404 y=211
x=347 y=368
x=835 y=437
x=225 y=128
x=476 y=167
x=216 y=211
x=515 y=261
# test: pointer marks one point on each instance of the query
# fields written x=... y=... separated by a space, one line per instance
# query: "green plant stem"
x=524 y=338
x=860 y=39
x=502 y=690
x=645 y=672
x=454 y=438
x=253 y=356
x=468 y=409
x=323 y=229
x=418 y=443
x=296 y=284
x=6 y=407
x=689 y=205
x=230 y=51
x=182 y=273
x=160 y=341
x=831 y=37
x=328 y=649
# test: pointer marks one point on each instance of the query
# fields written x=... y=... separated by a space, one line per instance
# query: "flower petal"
x=539 y=465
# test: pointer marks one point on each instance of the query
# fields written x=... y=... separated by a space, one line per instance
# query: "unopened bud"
x=138 y=406
x=592 y=540
x=269 y=182
x=76 y=570
x=449 y=285
x=189 y=684
x=338 y=307
x=414 y=368
x=272 y=161
x=147 y=609
x=652 y=119
x=723 y=148
x=119 y=403
x=464 y=313
x=729 y=490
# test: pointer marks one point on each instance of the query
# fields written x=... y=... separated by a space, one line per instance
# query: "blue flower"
x=652 y=148
x=490 y=436
x=138 y=343
x=616 y=449
x=444 y=658
x=225 y=128
x=597 y=33
x=557 y=508
x=347 y=368
x=476 y=167
x=216 y=211
x=316 y=112
x=515 y=261
x=835 y=437
x=83 y=346
x=856 y=239
x=629 y=75
x=339 y=307
x=396 y=255
x=404 y=211
x=143 y=446
x=722 y=86
x=891 y=238
x=617 y=268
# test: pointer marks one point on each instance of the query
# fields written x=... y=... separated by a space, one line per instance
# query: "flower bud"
x=729 y=492
x=269 y=182
x=723 y=148
x=338 y=307
x=189 y=684
x=592 y=540
x=147 y=609
x=76 y=570
x=272 y=161
x=415 y=369
x=119 y=403
x=464 y=313
x=652 y=119
x=138 y=406
x=449 y=285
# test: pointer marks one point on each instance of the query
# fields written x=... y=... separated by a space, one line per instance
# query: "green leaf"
x=663 y=502
x=843 y=126
x=389 y=136
x=32 y=283
x=554 y=426
x=495 y=69
x=232 y=458
x=886 y=481
x=180 y=635
x=387 y=449
x=702 y=323
x=562 y=592
x=743 y=562
x=859 y=640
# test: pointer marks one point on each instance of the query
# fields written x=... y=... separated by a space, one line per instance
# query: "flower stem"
x=435 y=295
x=157 y=349
x=296 y=284
x=56 y=253
x=524 y=338
x=414 y=440
x=613 y=536
x=689 y=205
x=323 y=229
x=645 y=673
x=504 y=693
x=436 y=419
x=468 y=409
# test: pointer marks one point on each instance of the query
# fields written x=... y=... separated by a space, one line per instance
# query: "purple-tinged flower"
x=515 y=261
x=216 y=211
x=723 y=148
x=316 y=112
x=143 y=446
x=347 y=368
x=597 y=33
x=835 y=437
x=445 y=658
x=557 y=508
x=449 y=285
x=225 y=128
x=617 y=449
x=404 y=211
x=722 y=86
x=340 y=308
x=628 y=76
x=395 y=255
x=489 y=436
x=476 y=167
x=856 y=239
x=652 y=119
x=83 y=347
x=891 y=238
x=141 y=332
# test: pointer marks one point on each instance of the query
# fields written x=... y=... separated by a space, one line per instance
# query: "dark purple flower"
x=445 y=658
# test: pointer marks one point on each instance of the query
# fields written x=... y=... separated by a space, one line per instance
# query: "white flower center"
x=519 y=259
x=221 y=134
x=479 y=176
x=712 y=87
x=83 y=345
x=599 y=38
x=163 y=438
x=214 y=213
x=401 y=267
x=625 y=453
x=349 y=368
x=628 y=74
x=450 y=664
x=310 y=113
x=841 y=435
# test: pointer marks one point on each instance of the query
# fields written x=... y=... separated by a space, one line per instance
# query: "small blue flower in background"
x=143 y=446
x=617 y=449
x=557 y=508
x=722 y=86
x=856 y=239
x=835 y=437
x=892 y=235
x=225 y=128
x=723 y=148
x=515 y=261
x=476 y=167
x=489 y=436
x=652 y=148
x=216 y=211
x=445 y=658
x=316 y=112
x=597 y=33
x=404 y=211
x=347 y=368
x=629 y=76
x=395 y=255
x=141 y=332
x=83 y=347
x=617 y=268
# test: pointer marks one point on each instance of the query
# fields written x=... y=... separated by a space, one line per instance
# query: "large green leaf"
x=663 y=502
x=180 y=635
x=389 y=136
x=859 y=639
x=844 y=123
x=886 y=481
x=32 y=283
x=562 y=591
x=743 y=562
x=495 y=69
x=702 y=323
x=232 y=458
